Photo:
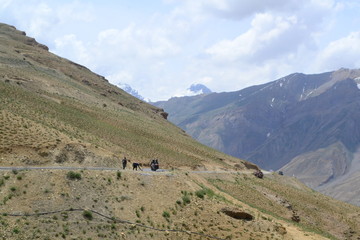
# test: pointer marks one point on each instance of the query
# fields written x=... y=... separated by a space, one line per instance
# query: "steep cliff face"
x=316 y=122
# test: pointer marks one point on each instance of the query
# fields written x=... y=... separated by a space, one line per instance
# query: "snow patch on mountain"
x=196 y=89
x=127 y=88
x=357 y=80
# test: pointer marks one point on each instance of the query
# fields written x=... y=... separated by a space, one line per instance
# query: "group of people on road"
x=154 y=164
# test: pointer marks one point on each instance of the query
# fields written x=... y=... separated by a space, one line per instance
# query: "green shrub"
x=200 y=193
x=166 y=214
x=205 y=191
x=186 y=199
x=210 y=193
x=87 y=215
x=73 y=175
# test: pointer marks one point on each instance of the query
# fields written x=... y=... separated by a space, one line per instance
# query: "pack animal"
x=136 y=166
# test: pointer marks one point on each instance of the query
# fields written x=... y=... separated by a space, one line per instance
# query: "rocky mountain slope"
x=59 y=120
x=308 y=125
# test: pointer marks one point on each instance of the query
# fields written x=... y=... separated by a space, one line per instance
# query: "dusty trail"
x=21 y=168
x=147 y=170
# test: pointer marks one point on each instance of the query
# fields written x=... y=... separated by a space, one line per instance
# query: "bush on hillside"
x=88 y=215
x=73 y=175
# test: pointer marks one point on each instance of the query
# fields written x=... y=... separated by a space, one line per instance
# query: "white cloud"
x=41 y=18
x=139 y=42
x=121 y=77
x=269 y=36
x=75 y=11
x=205 y=80
x=132 y=55
x=343 y=52
x=4 y=4
x=75 y=49
x=273 y=35
x=237 y=10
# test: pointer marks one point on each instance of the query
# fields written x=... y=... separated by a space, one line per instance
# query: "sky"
x=162 y=47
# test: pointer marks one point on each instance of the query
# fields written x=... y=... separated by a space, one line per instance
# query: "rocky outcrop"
x=33 y=42
x=237 y=214
x=295 y=217
x=71 y=152
x=164 y=115
x=22 y=35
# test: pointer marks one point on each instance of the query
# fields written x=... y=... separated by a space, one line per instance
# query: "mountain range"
x=194 y=89
x=305 y=125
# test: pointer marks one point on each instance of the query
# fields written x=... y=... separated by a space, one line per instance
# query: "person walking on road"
x=124 y=162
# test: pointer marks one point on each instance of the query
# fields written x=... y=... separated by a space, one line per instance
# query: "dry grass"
x=318 y=213
x=29 y=120
x=138 y=198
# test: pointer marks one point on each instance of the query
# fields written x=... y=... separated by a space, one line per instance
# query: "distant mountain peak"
x=127 y=88
x=199 y=89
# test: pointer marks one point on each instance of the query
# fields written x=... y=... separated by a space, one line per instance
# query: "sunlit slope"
x=54 y=110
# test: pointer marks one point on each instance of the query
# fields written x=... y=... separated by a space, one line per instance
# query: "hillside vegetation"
x=64 y=120
x=61 y=112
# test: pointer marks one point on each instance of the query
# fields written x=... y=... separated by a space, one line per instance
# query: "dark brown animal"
x=136 y=166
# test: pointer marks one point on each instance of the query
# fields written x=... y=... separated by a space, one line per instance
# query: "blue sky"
x=161 y=47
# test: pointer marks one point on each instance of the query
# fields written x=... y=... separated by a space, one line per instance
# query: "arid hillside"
x=125 y=204
x=63 y=133
x=55 y=111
